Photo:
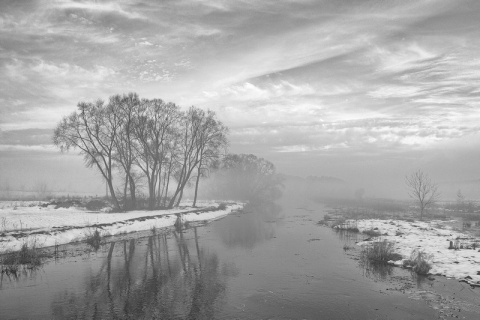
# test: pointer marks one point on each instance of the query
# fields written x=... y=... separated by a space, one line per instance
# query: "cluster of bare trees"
x=144 y=140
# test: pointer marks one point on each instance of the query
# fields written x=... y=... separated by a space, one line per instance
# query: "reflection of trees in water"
x=251 y=228
x=163 y=279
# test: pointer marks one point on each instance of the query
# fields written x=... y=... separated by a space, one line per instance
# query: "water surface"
x=270 y=262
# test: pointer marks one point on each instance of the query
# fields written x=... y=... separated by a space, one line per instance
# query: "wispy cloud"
x=95 y=6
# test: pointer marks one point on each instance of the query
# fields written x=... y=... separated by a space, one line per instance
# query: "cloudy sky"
x=366 y=91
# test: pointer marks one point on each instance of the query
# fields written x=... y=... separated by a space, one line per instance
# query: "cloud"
x=307 y=148
x=248 y=91
x=26 y=137
x=99 y=7
x=29 y=148
x=395 y=91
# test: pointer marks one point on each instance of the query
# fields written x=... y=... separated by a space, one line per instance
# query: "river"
x=269 y=262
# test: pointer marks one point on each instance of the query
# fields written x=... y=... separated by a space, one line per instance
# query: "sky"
x=366 y=91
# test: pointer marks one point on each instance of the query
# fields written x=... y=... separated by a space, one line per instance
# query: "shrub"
x=94 y=239
x=418 y=262
x=29 y=257
x=380 y=252
x=222 y=206
x=95 y=205
x=338 y=223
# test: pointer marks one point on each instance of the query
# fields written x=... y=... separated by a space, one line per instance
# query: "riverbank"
x=39 y=225
x=450 y=252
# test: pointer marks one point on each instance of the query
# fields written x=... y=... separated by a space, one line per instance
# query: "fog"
x=65 y=174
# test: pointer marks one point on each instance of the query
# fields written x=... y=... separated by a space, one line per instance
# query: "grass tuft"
x=222 y=206
x=338 y=223
x=28 y=257
x=380 y=252
x=94 y=239
x=418 y=262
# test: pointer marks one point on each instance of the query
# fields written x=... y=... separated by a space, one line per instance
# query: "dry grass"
x=379 y=252
x=28 y=257
x=418 y=262
x=94 y=239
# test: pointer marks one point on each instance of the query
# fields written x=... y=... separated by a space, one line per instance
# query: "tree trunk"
x=159 y=191
x=172 y=201
x=132 y=192
x=196 y=186
x=179 y=198
x=125 y=188
x=179 y=186
x=166 y=188
x=151 y=192
x=112 y=194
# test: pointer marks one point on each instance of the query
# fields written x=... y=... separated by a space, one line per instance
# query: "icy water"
x=271 y=262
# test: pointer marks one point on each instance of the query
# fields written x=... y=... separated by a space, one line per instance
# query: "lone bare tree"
x=422 y=189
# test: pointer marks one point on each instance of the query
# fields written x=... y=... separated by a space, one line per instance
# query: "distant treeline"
x=152 y=142
x=144 y=138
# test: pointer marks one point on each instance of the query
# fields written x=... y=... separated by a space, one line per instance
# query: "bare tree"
x=92 y=130
x=190 y=126
x=126 y=106
x=154 y=130
x=422 y=189
x=212 y=140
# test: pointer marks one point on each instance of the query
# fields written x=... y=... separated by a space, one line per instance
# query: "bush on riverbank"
x=418 y=262
x=27 y=256
x=94 y=239
x=379 y=252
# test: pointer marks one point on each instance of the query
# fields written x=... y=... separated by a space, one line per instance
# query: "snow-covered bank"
x=47 y=226
x=432 y=237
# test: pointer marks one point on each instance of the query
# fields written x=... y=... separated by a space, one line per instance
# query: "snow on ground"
x=29 y=223
x=433 y=237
